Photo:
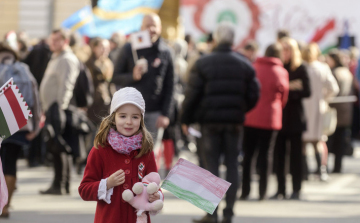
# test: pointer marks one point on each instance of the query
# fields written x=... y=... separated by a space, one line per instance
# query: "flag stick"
x=134 y=53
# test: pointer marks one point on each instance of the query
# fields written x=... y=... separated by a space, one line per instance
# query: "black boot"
x=305 y=168
x=278 y=196
x=55 y=189
x=226 y=220
x=67 y=188
x=206 y=219
x=295 y=196
x=318 y=163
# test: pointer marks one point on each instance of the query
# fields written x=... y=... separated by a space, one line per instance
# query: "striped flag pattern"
x=14 y=113
x=189 y=182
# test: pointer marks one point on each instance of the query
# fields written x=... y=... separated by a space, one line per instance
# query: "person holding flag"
x=152 y=75
x=15 y=109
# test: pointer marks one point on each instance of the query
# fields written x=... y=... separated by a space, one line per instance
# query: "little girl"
x=122 y=156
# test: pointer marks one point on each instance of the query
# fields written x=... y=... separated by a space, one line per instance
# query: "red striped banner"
x=14 y=104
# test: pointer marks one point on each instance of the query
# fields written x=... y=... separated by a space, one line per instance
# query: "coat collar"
x=269 y=60
x=223 y=48
x=66 y=50
x=159 y=45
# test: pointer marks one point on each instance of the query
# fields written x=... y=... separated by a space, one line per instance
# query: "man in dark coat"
x=157 y=84
x=38 y=60
x=222 y=88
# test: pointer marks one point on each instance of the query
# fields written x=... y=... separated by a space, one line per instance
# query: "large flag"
x=14 y=113
x=195 y=185
x=122 y=15
x=81 y=22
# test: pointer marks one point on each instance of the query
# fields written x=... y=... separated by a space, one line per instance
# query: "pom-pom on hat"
x=128 y=95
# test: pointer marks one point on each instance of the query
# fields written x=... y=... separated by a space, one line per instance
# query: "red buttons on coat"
x=127 y=161
x=125 y=186
x=127 y=171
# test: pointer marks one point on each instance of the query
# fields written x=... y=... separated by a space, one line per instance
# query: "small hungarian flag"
x=140 y=40
x=189 y=182
x=14 y=112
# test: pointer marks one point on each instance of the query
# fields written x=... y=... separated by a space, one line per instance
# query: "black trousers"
x=263 y=141
x=296 y=160
x=9 y=153
x=337 y=144
x=62 y=149
x=222 y=139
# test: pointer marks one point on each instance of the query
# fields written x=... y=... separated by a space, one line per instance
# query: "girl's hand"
x=154 y=197
x=115 y=179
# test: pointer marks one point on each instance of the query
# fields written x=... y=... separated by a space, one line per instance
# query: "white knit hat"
x=128 y=95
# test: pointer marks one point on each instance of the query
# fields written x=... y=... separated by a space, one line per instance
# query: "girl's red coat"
x=101 y=164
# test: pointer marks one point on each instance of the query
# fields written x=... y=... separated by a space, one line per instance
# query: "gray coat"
x=345 y=82
x=59 y=80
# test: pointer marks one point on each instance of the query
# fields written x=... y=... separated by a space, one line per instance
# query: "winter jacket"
x=102 y=97
x=59 y=80
x=274 y=81
x=38 y=59
x=294 y=120
x=157 y=84
x=323 y=87
x=101 y=164
x=222 y=88
x=345 y=80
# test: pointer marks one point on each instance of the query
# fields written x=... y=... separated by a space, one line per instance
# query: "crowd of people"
x=260 y=108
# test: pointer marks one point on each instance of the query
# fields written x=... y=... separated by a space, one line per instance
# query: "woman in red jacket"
x=263 y=122
x=122 y=156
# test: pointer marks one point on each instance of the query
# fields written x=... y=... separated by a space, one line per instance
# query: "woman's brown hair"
x=108 y=122
x=274 y=50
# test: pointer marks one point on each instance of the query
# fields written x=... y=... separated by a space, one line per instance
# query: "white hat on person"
x=127 y=95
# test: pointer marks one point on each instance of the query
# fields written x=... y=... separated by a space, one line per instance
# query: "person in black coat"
x=157 y=84
x=294 y=122
x=37 y=60
x=222 y=88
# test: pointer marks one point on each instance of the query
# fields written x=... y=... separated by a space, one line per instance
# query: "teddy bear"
x=149 y=185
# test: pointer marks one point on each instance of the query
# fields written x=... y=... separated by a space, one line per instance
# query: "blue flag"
x=81 y=22
x=121 y=15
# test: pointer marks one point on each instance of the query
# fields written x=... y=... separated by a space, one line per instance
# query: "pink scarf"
x=123 y=144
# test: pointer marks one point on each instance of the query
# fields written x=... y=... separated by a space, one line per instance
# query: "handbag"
x=329 y=121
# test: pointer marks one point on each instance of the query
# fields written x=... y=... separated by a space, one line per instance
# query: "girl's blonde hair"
x=311 y=52
x=295 y=60
x=109 y=122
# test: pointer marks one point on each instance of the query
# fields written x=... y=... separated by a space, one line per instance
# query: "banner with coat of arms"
x=307 y=20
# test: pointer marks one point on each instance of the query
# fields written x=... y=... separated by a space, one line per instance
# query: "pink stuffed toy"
x=149 y=185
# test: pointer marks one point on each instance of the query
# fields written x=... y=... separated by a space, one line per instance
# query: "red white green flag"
x=14 y=112
x=196 y=185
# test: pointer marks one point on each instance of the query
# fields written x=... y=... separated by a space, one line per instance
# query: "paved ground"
x=335 y=201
